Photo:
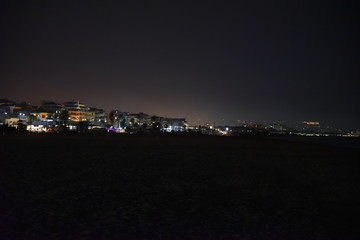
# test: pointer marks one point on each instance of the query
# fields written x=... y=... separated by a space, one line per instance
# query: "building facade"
x=78 y=111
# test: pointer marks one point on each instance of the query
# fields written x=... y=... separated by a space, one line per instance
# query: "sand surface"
x=176 y=187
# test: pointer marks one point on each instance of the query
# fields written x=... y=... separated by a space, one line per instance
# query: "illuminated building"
x=40 y=115
x=78 y=111
x=138 y=119
x=12 y=122
x=9 y=109
x=311 y=123
x=98 y=116
x=53 y=109
x=174 y=124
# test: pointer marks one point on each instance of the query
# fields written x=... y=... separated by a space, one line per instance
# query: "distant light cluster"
x=311 y=123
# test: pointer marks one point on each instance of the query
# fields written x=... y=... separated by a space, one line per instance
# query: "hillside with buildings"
x=76 y=116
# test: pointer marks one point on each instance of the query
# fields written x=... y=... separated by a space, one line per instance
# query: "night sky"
x=214 y=61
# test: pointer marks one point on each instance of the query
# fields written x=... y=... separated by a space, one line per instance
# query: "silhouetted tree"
x=156 y=127
x=154 y=118
x=116 y=117
x=64 y=118
x=113 y=117
x=32 y=118
x=132 y=122
x=83 y=126
x=123 y=123
x=21 y=127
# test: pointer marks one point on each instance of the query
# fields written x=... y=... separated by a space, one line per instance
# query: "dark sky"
x=214 y=61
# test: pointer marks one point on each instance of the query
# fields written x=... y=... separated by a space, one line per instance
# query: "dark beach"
x=176 y=187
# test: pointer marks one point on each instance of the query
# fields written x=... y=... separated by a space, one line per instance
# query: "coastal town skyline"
x=202 y=120
x=50 y=115
x=286 y=61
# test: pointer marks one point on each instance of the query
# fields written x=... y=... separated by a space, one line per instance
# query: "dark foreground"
x=176 y=187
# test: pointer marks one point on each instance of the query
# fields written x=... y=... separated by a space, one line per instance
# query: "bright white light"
x=227 y=129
